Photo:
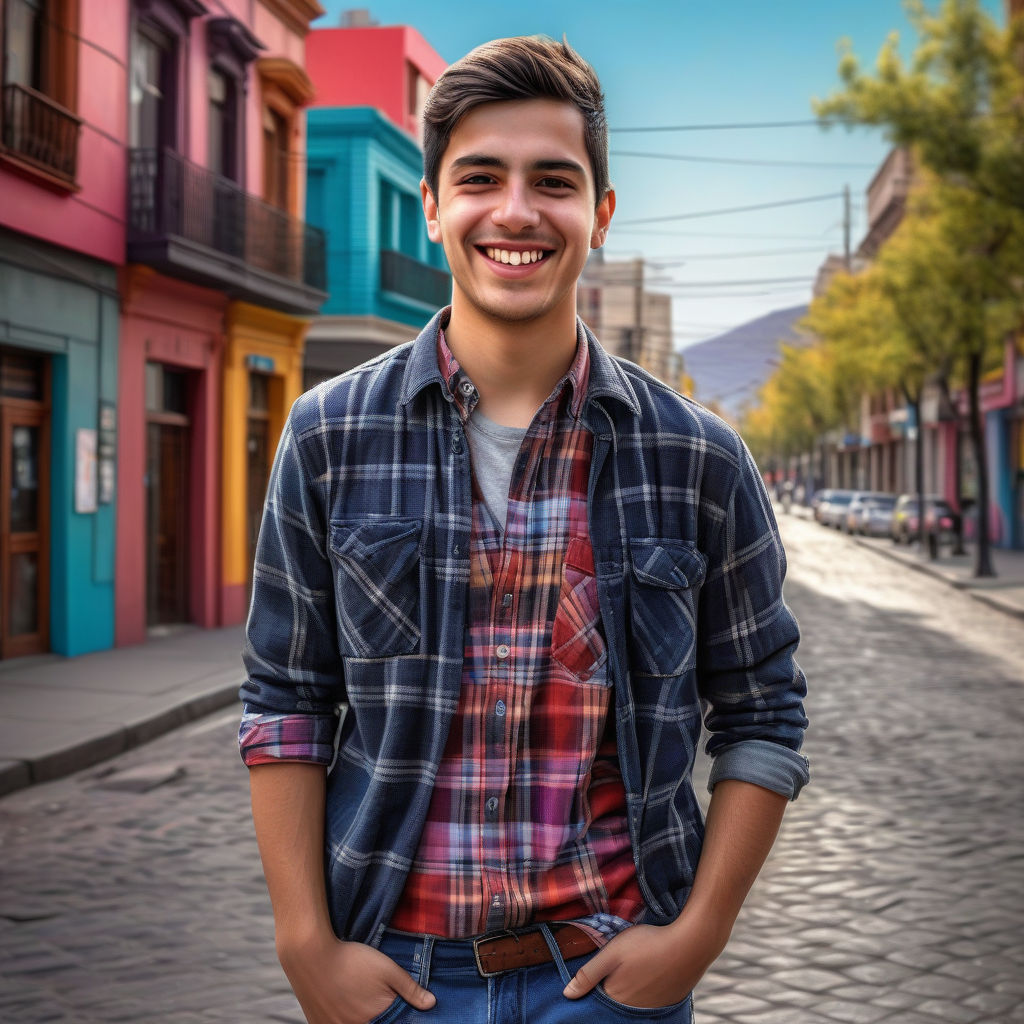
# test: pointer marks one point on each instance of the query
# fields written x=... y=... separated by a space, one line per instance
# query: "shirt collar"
x=593 y=372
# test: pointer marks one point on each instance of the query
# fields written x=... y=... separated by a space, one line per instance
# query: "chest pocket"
x=376 y=586
x=666 y=584
x=576 y=640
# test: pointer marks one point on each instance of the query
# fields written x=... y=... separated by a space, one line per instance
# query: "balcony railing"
x=40 y=132
x=415 y=280
x=172 y=199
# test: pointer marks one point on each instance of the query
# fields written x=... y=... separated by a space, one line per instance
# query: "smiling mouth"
x=514 y=257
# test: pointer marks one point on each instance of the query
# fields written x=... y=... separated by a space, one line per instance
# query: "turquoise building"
x=385 y=278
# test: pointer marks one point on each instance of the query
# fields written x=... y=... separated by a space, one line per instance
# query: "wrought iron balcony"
x=193 y=224
x=39 y=132
x=405 y=276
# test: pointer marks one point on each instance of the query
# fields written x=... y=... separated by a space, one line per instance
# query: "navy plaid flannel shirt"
x=359 y=599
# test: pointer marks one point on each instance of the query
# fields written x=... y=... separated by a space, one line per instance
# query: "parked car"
x=833 y=511
x=870 y=513
x=816 y=502
x=941 y=523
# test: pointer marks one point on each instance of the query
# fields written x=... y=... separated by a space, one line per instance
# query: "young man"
x=526 y=568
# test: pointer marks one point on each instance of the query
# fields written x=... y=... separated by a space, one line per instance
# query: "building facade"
x=631 y=321
x=221 y=278
x=61 y=240
x=385 y=277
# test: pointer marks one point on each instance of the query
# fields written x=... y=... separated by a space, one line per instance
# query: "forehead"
x=520 y=132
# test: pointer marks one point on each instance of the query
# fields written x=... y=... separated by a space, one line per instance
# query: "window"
x=153 y=83
x=24 y=54
x=223 y=130
x=231 y=48
x=275 y=158
x=40 y=73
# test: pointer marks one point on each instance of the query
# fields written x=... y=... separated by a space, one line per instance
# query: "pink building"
x=220 y=278
x=62 y=236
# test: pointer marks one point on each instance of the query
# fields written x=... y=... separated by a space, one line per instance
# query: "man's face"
x=515 y=209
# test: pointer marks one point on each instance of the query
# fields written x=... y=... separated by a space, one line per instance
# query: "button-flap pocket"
x=666 y=583
x=375 y=585
x=666 y=564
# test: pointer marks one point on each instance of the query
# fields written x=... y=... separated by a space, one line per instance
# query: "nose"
x=515 y=211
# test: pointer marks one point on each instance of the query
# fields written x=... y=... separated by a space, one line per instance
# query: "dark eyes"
x=487 y=179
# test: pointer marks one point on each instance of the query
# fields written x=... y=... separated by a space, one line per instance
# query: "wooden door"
x=24 y=529
x=167 y=516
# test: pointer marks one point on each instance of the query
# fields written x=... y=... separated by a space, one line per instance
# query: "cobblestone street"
x=132 y=891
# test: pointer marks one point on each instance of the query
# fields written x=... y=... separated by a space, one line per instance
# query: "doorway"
x=25 y=514
x=168 y=438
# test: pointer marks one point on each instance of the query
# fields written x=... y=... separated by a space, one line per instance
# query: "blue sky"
x=685 y=63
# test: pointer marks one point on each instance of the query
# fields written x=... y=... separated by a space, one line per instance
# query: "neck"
x=514 y=365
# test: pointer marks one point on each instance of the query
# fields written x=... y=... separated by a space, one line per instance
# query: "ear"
x=430 y=212
x=602 y=218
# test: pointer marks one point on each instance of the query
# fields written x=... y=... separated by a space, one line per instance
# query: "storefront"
x=169 y=481
x=262 y=377
x=58 y=391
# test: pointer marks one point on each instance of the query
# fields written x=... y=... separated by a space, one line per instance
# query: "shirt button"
x=466 y=387
x=502 y=651
x=455 y=549
x=506 y=601
x=456 y=444
x=492 y=804
x=499 y=709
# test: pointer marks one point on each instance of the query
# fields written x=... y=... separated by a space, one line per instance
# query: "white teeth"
x=515 y=257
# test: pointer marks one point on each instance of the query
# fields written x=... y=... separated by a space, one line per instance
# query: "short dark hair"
x=520 y=68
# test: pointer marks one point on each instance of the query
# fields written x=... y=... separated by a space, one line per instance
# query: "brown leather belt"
x=508 y=951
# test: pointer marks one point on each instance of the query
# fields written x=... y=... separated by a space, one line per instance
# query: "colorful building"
x=221 y=278
x=62 y=201
x=385 y=278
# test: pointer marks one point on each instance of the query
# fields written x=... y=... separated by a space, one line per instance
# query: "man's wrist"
x=301 y=939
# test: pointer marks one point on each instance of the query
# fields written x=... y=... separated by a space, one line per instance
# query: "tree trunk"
x=958 y=539
x=914 y=401
x=983 y=555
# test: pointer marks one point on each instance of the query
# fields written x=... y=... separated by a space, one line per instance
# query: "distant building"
x=630 y=321
x=385 y=277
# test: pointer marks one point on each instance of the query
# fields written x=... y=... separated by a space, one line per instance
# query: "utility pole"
x=846 y=228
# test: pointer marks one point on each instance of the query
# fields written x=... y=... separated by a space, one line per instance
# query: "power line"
x=731 y=283
x=734 y=209
x=726 y=234
x=690 y=158
x=672 y=261
x=726 y=127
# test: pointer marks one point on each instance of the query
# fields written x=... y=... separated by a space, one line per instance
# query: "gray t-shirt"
x=493 y=450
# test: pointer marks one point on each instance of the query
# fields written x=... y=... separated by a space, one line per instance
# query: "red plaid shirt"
x=527 y=821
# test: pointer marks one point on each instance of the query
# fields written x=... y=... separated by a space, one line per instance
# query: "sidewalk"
x=1004 y=592
x=58 y=715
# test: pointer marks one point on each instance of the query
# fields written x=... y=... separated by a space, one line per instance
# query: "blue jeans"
x=530 y=995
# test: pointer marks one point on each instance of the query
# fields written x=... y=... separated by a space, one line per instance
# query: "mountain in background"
x=728 y=369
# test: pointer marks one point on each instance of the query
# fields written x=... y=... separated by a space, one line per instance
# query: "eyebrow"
x=481 y=160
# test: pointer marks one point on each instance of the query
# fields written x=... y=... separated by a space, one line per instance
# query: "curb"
x=963 y=586
x=19 y=774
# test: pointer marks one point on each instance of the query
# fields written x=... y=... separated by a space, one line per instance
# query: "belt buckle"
x=490 y=937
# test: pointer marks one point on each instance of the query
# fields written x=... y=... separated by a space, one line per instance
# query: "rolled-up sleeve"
x=294 y=682
x=749 y=678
